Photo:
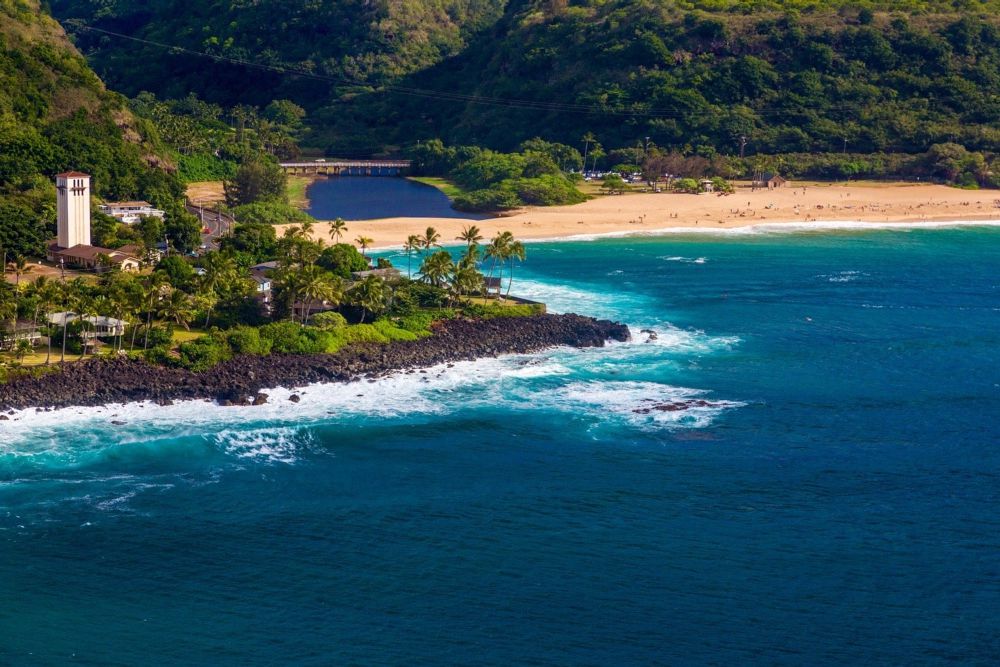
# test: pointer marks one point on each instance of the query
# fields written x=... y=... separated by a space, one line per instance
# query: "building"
x=388 y=274
x=73 y=209
x=130 y=212
x=261 y=275
x=769 y=181
x=71 y=247
x=491 y=286
x=99 y=326
x=9 y=338
x=93 y=258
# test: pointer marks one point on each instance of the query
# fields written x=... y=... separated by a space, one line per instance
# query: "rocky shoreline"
x=241 y=380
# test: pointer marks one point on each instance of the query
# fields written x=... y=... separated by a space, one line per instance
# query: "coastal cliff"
x=241 y=379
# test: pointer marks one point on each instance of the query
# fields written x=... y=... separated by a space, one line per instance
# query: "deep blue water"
x=835 y=503
x=373 y=197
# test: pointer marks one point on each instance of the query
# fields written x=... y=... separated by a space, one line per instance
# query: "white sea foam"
x=545 y=380
x=273 y=445
x=640 y=403
x=684 y=260
x=775 y=228
x=844 y=276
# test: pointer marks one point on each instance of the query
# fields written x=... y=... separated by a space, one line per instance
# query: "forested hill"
x=353 y=41
x=857 y=76
x=788 y=81
x=55 y=115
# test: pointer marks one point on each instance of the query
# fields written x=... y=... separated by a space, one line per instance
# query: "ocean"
x=830 y=496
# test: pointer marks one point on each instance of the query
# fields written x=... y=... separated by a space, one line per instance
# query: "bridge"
x=348 y=167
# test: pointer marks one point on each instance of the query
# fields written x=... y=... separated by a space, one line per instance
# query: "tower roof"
x=73 y=174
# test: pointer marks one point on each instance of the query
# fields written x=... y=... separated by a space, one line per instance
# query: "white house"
x=129 y=212
x=100 y=326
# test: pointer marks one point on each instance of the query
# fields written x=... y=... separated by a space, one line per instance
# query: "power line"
x=531 y=105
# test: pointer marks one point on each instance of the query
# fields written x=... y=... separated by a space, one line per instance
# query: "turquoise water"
x=835 y=502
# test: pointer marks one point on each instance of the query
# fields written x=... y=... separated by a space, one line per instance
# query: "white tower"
x=73 y=205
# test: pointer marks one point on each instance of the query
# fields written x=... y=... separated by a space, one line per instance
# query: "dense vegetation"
x=698 y=81
x=493 y=181
x=867 y=78
x=55 y=115
x=354 y=43
x=313 y=302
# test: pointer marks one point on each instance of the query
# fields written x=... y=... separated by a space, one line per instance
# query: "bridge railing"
x=392 y=164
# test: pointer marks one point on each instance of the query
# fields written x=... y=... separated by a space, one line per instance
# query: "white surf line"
x=770 y=227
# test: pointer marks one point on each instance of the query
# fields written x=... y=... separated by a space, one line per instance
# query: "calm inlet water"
x=834 y=502
x=367 y=198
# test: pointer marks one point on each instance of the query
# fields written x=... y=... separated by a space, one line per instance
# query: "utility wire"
x=532 y=105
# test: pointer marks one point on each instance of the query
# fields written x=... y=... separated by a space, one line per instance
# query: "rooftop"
x=127 y=204
x=89 y=252
x=73 y=174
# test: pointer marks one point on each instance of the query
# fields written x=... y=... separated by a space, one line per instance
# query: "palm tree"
x=22 y=349
x=20 y=266
x=470 y=235
x=496 y=250
x=596 y=155
x=364 y=242
x=67 y=297
x=48 y=296
x=436 y=268
x=369 y=295
x=306 y=226
x=588 y=139
x=465 y=279
x=337 y=229
x=430 y=239
x=318 y=285
x=177 y=307
x=8 y=312
x=217 y=268
x=86 y=306
x=514 y=251
x=154 y=289
x=411 y=246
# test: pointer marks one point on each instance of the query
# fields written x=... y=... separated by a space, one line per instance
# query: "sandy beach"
x=798 y=204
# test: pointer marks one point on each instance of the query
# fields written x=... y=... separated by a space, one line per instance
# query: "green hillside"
x=55 y=115
x=630 y=69
x=702 y=77
x=367 y=42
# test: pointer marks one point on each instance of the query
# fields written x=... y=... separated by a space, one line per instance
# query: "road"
x=218 y=224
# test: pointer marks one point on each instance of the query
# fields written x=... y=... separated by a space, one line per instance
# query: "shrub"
x=491 y=310
x=547 y=190
x=490 y=199
x=341 y=259
x=203 y=353
x=270 y=213
x=158 y=336
x=247 y=340
x=688 y=185
x=329 y=320
x=293 y=338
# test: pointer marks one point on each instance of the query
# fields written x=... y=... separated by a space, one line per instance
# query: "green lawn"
x=296 y=191
x=182 y=336
x=451 y=190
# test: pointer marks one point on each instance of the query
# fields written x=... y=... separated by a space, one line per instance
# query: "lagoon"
x=372 y=198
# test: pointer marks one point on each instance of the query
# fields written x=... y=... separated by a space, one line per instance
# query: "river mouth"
x=375 y=197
